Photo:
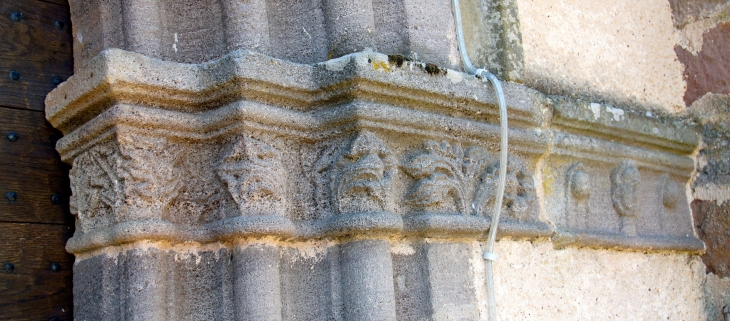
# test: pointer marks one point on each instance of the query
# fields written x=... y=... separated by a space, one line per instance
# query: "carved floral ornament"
x=95 y=186
x=449 y=178
x=356 y=177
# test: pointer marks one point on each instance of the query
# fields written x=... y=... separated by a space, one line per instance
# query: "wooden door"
x=35 y=270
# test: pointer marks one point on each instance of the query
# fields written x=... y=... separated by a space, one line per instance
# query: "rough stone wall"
x=710 y=207
x=298 y=189
x=703 y=29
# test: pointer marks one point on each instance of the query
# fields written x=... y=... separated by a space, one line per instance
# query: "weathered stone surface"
x=340 y=158
x=643 y=205
x=687 y=11
x=716 y=296
x=712 y=221
x=533 y=281
x=195 y=31
x=618 y=52
x=709 y=70
x=494 y=37
x=715 y=153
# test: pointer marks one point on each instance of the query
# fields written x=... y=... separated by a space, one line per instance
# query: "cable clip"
x=479 y=72
x=490 y=256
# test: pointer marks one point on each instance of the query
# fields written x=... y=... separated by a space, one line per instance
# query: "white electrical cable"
x=488 y=255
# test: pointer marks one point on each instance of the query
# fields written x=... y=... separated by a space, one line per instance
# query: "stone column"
x=256 y=282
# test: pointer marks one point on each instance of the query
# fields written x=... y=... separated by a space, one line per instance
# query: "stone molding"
x=366 y=144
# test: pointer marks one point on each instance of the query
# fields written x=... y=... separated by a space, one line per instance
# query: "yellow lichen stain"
x=381 y=66
x=548 y=179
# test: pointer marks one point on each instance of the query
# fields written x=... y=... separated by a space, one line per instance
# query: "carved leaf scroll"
x=255 y=176
x=155 y=185
x=96 y=188
x=467 y=180
x=446 y=174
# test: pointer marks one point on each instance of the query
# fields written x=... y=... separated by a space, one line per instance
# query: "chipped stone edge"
x=117 y=76
x=689 y=244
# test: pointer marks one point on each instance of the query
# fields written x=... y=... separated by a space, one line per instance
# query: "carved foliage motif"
x=625 y=180
x=363 y=175
x=446 y=175
x=466 y=180
x=95 y=186
x=519 y=189
x=255 y=177
x=154 y=185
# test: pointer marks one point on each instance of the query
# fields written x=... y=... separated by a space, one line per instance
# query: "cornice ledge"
x=120 y=77
x=644 y=130
x=689 y=244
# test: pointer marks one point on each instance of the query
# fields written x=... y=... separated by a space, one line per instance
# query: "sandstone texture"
x=240 y=165
x=536 y=282
x=617 y=51
x=327 y=160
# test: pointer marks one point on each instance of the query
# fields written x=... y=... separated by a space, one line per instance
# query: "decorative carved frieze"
x=376 y=148
x=448 y=178
x=255 y=177
x=625 y=181
x=241 y=161
x=362 y=180
x=643 y=210
x=356 y=183
x=451 y=180
x=97 y=191
x=150 y=189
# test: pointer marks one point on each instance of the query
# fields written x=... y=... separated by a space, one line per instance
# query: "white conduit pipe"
x=489 y=254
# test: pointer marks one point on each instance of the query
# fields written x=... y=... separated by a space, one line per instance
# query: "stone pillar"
x=367 y=280
x=142 y=29
x=256 y=282
x=350 y=26
x=246 y=25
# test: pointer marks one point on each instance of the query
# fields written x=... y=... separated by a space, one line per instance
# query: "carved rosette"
x=255 y=177
x=625 y=179
x=96 y=188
